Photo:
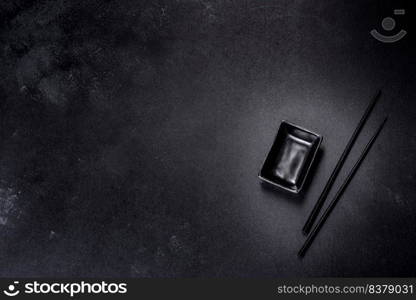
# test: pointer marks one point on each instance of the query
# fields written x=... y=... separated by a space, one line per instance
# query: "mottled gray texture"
x=132 y=133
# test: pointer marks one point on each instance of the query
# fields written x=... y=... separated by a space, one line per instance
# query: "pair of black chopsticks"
x=315 y=211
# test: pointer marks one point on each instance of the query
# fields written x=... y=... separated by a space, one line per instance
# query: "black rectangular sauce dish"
x=290 y=157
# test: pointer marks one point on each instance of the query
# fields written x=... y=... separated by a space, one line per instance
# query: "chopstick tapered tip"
x=377 y=95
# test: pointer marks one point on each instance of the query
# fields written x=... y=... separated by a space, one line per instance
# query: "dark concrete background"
x=132 y=133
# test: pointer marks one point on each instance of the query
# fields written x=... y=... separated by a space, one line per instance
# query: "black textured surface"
x=132 y=133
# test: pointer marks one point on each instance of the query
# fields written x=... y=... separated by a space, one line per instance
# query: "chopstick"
x=339 y=193
x=315 y=211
